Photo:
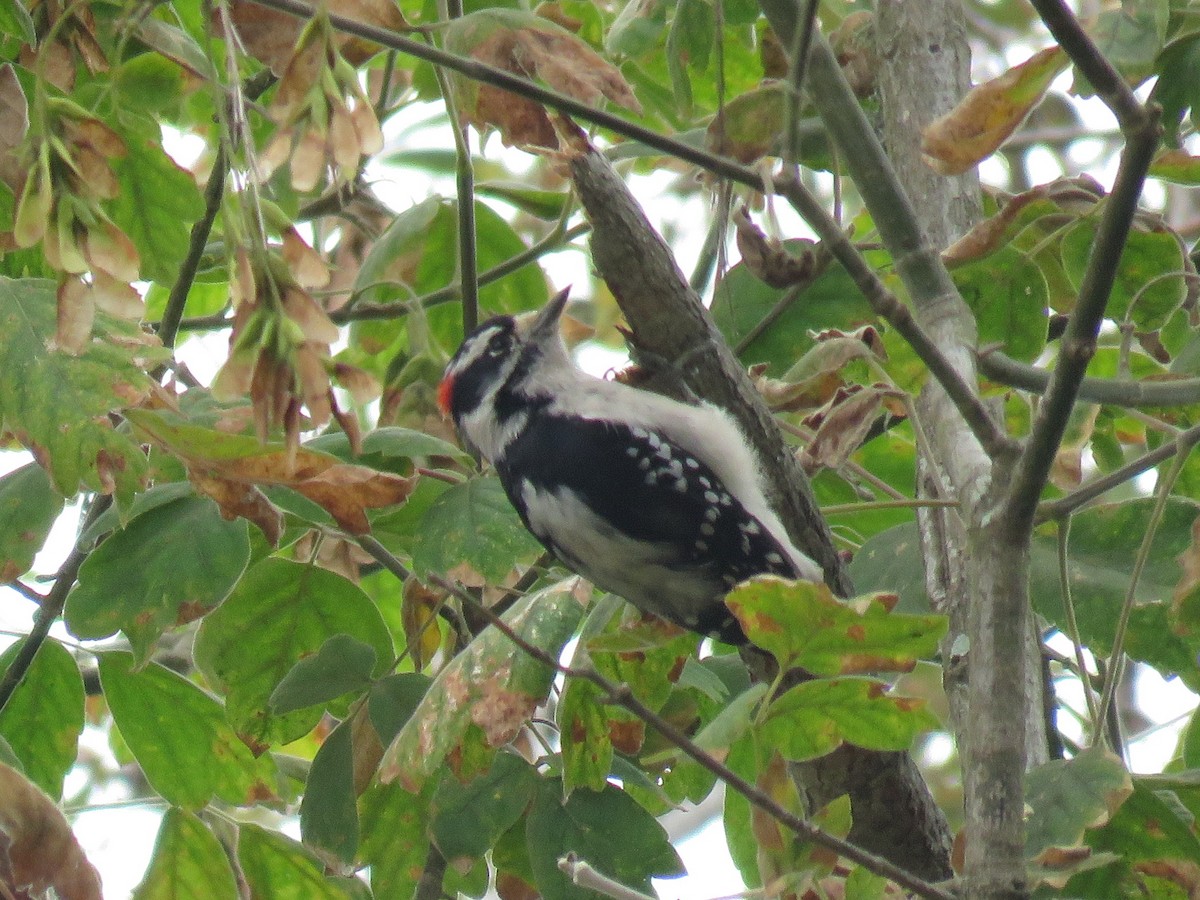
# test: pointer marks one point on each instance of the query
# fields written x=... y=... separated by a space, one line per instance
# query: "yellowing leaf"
x=990 y=112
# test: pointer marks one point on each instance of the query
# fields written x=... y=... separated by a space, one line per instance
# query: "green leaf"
x=891 y=561
x=803 y=624
x=198 y=755
x=393 y=700
x=1007 y=293
x=157 y=205
x=1148 y=826
x=395 y=839
x=1068 y=797
x=468 y=819
x=1151 y=281
x=28 y=507
x=543 y=204
x=1178 y=88
x=1130 y=36
x=385 y=444
x=279 y=613
x=384 y=268
x=169 y=566
x=473 y=525
x=150 y=81
x=58 y=405
x=490 y=684
x=815 y=717
x=1104 y=542
x=188 y=863
x=584 y=824
x=742 y=301
x=583 y=728
x=43 y=719
x=341 y=665
x=277 y=867
x=15 y=21
x=329 y=810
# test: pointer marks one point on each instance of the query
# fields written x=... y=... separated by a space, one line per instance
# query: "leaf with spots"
x=180 y=737
x=43 y=719
x=28 y=507
x=188 y=861
x=58 y=404
x=817 y=716
x=491 y=685
x=279 y=613
x=169 y=566
x=473 y=524
x=802 y=624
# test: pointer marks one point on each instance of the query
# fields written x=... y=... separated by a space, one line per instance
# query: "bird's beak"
x=546 y=323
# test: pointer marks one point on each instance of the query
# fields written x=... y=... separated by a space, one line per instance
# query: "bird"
x=656 y=500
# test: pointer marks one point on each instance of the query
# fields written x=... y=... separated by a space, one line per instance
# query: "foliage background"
x=218 y=667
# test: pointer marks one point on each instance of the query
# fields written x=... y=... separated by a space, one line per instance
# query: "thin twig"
x=50 y=609
x=585 y=875
x=214 y=193
x=621 y=695
x=1064 y=506
x=1116 y=666
x=1064 y=581
x=1129 y=394
x=376 y=311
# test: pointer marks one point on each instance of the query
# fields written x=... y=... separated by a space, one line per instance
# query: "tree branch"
x=1132 y=394
x=1064 y=506
x=51 y=608
x=621 y=695
x=1078 y=343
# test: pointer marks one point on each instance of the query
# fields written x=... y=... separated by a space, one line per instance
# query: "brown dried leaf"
x=841 y=427
x=306 y=312
x=14 y=113
x=769 y=261
x=238 y=499
x=500 y=712
x=347 y=491
x=528 y=45
x=809 y=393
x=108 y=249
x=366 y=126
x=76 y=313
x=41 y=851
x=987 y=236
x=567 y=64
x=308 y=269
x=990 y=112
x=117 y=298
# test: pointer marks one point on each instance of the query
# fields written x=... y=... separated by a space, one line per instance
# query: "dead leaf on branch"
x=224 y=464
x=37 y=844
x=990 y=113
x=770 y=261
x=845 y=422
x=532 y=47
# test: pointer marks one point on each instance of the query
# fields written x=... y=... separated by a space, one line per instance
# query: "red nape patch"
x=445 y=391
